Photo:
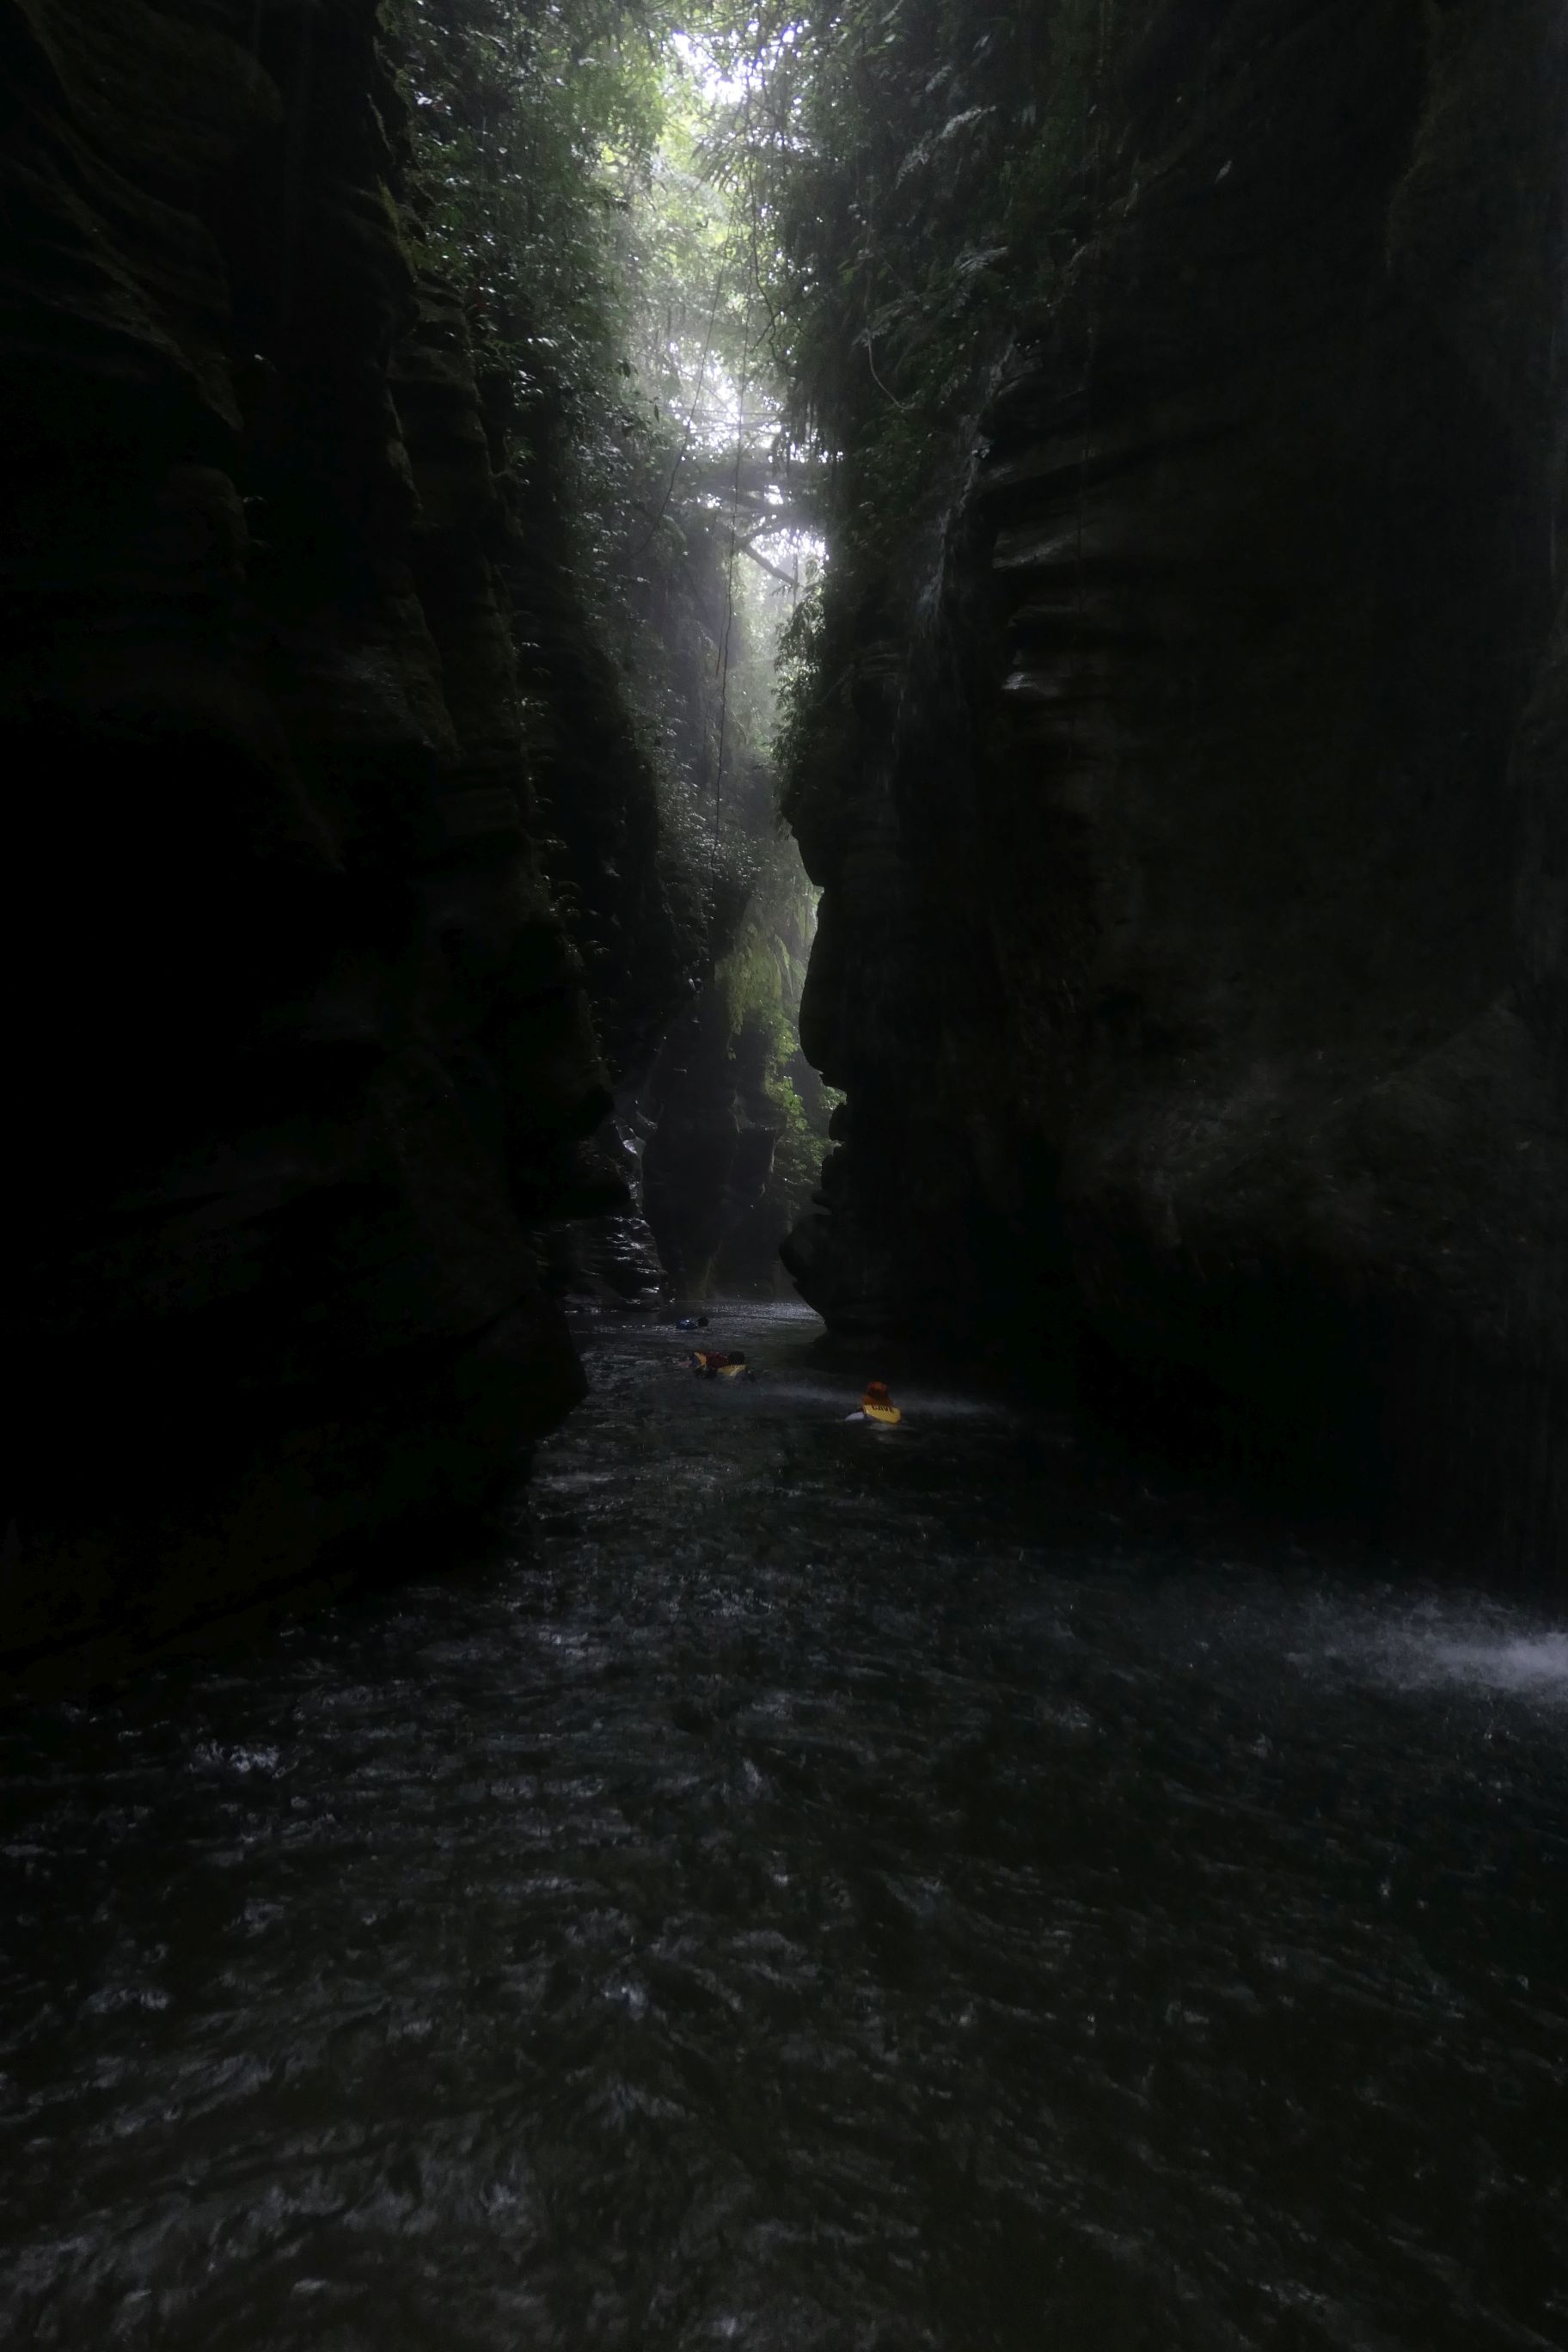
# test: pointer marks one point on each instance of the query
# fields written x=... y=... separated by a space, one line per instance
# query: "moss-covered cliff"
x=1191 y=945
x=740 y=1116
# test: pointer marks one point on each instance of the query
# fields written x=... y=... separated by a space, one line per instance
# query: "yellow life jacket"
x=887 y=1414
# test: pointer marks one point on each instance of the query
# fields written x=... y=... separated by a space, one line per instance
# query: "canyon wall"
x=738 y=1115
x=1194 y=838
x=305 y=1063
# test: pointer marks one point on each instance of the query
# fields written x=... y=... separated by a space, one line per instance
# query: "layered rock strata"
x=1192 y=944
x=305 y=1058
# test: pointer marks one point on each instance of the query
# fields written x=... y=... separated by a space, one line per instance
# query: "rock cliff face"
x=739 y=1114
x=1191 y=945
x=305 y=1053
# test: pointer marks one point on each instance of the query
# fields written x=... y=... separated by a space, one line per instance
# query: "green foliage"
x=713 y=254
x=832 y=216
x=919 y=177
x=561 y=186
x=533 y=125
x=909 y=171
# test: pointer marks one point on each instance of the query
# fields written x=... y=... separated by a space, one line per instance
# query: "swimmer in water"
x=876 y=1407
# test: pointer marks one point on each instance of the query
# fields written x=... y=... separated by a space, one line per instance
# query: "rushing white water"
x=1480 y=1655
x=832 y=1891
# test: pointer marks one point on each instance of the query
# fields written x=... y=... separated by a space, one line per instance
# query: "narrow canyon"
x=787 y=1211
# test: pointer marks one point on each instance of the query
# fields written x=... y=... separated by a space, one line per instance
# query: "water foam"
x=1521 y=1665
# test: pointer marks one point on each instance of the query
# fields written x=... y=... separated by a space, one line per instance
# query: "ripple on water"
x=828 y=1906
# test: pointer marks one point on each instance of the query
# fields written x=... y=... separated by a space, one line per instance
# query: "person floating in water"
x=691 y=1323
x=719 y=1363
x=876 y=1407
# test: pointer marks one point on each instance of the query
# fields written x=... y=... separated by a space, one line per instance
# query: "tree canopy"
x=748 y=270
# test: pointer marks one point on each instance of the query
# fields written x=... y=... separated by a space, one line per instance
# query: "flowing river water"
x=828 y=1892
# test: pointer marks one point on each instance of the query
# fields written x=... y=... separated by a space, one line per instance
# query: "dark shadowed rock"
x=1192 y=947
x=305 y=1056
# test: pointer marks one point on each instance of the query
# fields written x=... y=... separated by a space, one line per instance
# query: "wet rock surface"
x=830 y=1888
x=1190 y=948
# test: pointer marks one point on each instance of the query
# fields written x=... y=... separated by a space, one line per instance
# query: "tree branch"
x=743 y=547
